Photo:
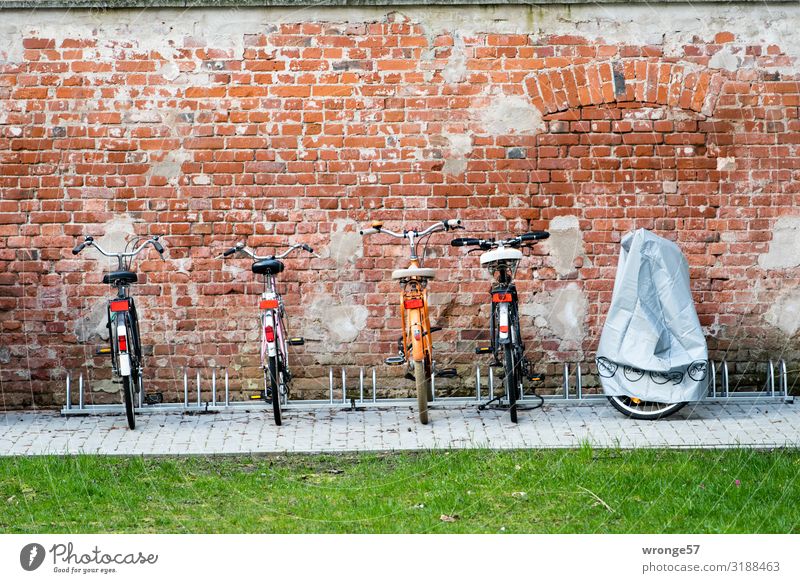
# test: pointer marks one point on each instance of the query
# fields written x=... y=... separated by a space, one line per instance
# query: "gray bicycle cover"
x=652 y=346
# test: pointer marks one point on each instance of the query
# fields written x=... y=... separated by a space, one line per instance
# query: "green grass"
x=560 y=491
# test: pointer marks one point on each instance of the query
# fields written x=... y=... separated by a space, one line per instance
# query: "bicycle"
x=125 y=345
x=415 y=347
x=501 y=258
x=274 y=341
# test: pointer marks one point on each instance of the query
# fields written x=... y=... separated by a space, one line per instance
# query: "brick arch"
x=680 y=85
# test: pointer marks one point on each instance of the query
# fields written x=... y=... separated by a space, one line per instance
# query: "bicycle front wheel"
x=511 y=384
x=274 y=386
x=127 y=391
x=422 y=381
x=646 y=410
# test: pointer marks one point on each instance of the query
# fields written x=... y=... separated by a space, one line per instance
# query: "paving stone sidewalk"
x=740 y=424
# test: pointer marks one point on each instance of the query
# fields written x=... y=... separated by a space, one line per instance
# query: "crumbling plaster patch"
x=562 y=312
x=784 y=249
x=784 y=313
x=345 y=244
x=167 y=29
x=565 y=244
x=511 y=114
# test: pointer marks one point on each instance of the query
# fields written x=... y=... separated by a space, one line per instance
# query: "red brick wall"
x=312 y=128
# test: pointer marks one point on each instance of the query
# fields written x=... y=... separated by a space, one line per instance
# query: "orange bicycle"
x=415 y=348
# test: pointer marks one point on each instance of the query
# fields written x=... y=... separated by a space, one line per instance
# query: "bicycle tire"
x=511 y=384
x=127 y=391
x=422 y=390
x=275 y=388
x=644 y=410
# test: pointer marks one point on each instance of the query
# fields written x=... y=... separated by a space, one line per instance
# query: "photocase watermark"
x=66 y=559
x=31 y=556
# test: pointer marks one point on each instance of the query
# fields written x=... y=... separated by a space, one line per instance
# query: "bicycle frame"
x=416 y=324
x=122 y=322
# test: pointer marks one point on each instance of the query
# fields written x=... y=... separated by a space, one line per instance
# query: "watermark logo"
x=31 y=556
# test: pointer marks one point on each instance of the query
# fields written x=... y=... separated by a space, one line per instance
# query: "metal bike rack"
x=365 y=392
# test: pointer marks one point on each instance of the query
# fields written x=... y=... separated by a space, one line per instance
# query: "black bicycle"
x=125 y=346
x=501 y=258
x=272 y=325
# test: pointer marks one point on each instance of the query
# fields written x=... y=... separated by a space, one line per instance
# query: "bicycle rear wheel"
x=127 y=391
x=646 y=410
x=511 y=384
x=422 y=390
x=275 y=388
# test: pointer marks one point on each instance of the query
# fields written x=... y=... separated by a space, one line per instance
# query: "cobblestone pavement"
x=740 y=424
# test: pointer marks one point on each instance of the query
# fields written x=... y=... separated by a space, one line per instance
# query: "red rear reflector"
x=119 y=306
x=502 y=298
x=268 y=304
x=269 y=332
x=504 y=329
x=123 y=343
x=415 y=303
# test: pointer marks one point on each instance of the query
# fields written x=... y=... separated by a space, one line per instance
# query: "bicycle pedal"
x=297 y=341
x=257 y=397
x=447 y=373
x=395 y=360
x=536 y=377
x=483 y=350
x=154 y=398
x=101 y=351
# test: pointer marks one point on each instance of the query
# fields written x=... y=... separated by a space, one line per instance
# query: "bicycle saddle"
x=421 y=272
x=268 y=267
x=120 y=277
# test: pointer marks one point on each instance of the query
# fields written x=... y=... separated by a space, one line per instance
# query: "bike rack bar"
x=185 y=388
x=198 y=387
x=227 y=394
x=374 y=386
x=69 y=395
x=141 y=392
x=712 y=379
x=80 y=392
x=361 y=384
x=214 y=386
x=330 y=383
x=725 y=380
x=578 y=381
x=784 y=378
x=771 y=378
x=478 y=383
x=344 y=387
x=491 y=382
x=566 y=381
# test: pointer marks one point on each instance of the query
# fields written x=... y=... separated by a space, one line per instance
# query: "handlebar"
x=486 y=244
x=447 y=225
x=240 y=248
x=89 y=241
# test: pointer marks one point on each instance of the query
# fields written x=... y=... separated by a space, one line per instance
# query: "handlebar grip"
x=463 y=241
x=534 y=236
x=229 y=252
x=308 y=248
x=158 y=246
x=367 y=232
x=452 y=223
x=78 y=248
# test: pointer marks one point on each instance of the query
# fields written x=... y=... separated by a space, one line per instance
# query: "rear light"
x=504 y=329
x=414 y=303
x=268 y=304
x=501 y=298
x=123 y=343
x=269 y=332
x=119 y=306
